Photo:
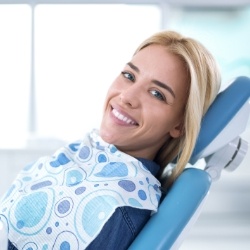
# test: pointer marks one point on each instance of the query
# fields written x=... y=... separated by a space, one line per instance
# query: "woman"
x=98 y=193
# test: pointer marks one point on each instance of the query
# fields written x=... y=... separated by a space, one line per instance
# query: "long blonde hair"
x=204 y=77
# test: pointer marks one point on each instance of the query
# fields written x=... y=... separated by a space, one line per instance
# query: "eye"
x=157 y=94
x=128 y=76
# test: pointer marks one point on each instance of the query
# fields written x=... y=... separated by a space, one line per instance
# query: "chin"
x=107 y=136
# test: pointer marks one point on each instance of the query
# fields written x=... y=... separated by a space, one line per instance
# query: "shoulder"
x=121 y=229
x=134 y=218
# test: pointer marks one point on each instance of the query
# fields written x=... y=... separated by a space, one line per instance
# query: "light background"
x=53 y=83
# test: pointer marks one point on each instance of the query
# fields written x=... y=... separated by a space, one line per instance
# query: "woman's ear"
x=177 y=131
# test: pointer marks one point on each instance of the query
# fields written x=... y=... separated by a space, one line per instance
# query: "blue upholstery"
x=224 y=108
x=177 y=207
x=186 y=195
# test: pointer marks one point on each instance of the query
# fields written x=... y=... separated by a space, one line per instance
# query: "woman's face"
x=145 y=105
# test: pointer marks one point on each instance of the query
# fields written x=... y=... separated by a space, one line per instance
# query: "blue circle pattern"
x=76 y=191
x=127 y=185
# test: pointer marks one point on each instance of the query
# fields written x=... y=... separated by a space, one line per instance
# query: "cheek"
x=110 y=93
x=164 y=119
x=105 y=103
x=114 y=89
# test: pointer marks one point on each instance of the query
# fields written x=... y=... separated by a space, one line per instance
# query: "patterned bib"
x=63 y=201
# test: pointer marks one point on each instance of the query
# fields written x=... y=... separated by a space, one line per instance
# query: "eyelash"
x=127 y=75
x=156 y=94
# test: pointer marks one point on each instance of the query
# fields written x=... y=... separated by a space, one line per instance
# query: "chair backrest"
x=225 y=120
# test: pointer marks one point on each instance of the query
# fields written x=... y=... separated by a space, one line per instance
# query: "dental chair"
x=220 y=147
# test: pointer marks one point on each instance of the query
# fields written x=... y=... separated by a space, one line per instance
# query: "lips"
x=124 y=118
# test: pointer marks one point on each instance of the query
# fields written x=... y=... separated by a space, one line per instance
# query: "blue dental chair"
x=221 y=147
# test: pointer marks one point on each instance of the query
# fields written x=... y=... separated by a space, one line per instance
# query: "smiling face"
x=145 y=104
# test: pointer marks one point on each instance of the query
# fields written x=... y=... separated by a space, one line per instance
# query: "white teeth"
x=122 y=117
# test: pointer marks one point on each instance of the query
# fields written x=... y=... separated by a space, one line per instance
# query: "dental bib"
x=63 y=201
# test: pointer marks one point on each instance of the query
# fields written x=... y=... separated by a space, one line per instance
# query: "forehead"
x=156 y=60
x=158 y=56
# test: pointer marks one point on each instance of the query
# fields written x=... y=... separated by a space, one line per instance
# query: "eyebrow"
x=133 y=67
x=158 y=83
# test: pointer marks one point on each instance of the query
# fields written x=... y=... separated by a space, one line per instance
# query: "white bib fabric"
x=63 y=201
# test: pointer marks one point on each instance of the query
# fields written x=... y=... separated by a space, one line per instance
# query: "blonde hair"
x=204 y=77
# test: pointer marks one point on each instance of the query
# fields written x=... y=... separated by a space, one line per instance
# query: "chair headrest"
x=230 y=108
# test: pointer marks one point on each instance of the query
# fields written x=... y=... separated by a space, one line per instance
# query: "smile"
x=123 y=118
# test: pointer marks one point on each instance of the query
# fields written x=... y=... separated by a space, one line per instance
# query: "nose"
x=131 y=96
